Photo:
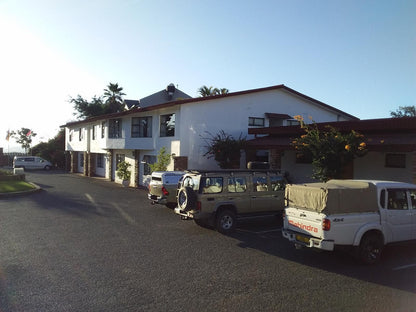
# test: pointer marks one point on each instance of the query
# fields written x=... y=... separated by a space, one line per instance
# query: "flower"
x=298 y=117
x=347 y=147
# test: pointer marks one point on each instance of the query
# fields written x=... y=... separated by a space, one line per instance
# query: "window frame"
x=164 y=130
x=254 y=121
x=144 y=130
x=115 y=128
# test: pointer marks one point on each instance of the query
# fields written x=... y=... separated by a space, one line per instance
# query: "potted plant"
x=124 y=173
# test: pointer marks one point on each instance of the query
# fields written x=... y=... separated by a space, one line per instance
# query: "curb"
x=22 y=193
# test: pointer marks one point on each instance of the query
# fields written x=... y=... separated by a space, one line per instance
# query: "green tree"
x=225 y=149
x=110 y=102
x=24 y=137
x=205 y=91
x=85 y=109
x=113 y=96
x=53 y=150
x=163 y=161
x=329 y=149
x=404 y=111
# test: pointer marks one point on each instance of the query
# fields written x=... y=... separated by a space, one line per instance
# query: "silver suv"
x=218 y=198
x=162 y=187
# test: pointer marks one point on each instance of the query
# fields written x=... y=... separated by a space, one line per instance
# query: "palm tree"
x=114 y=100
x=209 y=91
x=205 y=91
x=220 y=91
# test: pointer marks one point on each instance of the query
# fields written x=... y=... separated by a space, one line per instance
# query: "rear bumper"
x=194 y=214
x=308 y=241
x=157 y=199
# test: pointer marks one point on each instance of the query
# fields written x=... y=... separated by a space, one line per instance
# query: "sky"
x=358 y=56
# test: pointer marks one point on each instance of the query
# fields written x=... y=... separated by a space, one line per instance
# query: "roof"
x=386 y=134
x=170 y=94
x=164 y=103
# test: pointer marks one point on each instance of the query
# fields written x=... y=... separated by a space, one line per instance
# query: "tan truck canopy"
x=333 y=197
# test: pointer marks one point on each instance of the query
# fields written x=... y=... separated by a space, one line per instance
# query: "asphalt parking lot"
x=87 y=244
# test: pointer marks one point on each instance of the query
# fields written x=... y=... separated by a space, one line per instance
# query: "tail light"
x=198 y=205
x=165 y=191
x=326 y=225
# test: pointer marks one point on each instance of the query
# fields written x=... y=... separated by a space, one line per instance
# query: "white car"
x=31 y=162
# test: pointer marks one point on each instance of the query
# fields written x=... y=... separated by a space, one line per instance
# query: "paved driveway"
x=89 y=245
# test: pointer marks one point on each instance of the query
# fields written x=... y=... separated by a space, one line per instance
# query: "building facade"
x=182 y=126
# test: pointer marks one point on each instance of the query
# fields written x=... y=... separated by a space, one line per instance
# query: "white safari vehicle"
x=362 y=214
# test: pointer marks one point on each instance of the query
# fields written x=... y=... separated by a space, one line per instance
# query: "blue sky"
x=358 y=56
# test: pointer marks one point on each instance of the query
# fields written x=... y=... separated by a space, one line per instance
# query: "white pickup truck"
x=362 y=214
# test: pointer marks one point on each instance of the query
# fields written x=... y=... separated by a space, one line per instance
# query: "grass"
x=15 y=186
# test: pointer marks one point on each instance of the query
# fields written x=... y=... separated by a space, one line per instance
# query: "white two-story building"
x=181 y=125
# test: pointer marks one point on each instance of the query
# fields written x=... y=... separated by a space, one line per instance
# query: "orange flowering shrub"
x=329 y=149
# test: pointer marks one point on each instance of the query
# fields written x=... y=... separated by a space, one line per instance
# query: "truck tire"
x=186 y=199
x=226 y=221
x=370 y=248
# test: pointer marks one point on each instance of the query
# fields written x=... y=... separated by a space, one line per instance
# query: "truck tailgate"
x=304 y=222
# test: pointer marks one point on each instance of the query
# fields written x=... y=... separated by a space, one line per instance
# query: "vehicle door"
x=238 y=193
x=212 y=192
x=29 y=162
x=398 y=219
x=262 y=195
x=278 y=186
x=39 y=163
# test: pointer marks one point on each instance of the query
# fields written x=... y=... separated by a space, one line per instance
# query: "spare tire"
x=186 y=199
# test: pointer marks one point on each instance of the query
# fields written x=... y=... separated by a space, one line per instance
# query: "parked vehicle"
x=31 y=162
x=218 y=198
x=162 y=187
x=364 y=215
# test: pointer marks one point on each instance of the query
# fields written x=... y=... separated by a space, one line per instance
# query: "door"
x=261 y=193
x=399 y=218
x=238 y=193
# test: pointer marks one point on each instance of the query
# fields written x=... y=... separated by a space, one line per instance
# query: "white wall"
x=200 y=119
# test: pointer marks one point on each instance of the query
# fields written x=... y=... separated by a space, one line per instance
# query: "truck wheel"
x=226 y=221
x=186 y=199
x=370 y=248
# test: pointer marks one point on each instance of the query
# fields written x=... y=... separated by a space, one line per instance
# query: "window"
x=275 y=122
x=211 y=185
x=114 y=129
x=141 y=127
x=100 y=160
x=277 y=182
x=81 y=160
x=292 y=123
x=167 y=125
x=237 y=185
x=396 y=160
x=103 y=129
x=119 y=159
x=397 y=200
x=80 y=136
x=147 y=160
x=260 y=184
x=71 y=134
x=256 y=122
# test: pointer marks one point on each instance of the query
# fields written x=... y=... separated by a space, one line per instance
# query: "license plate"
x=303 y=239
